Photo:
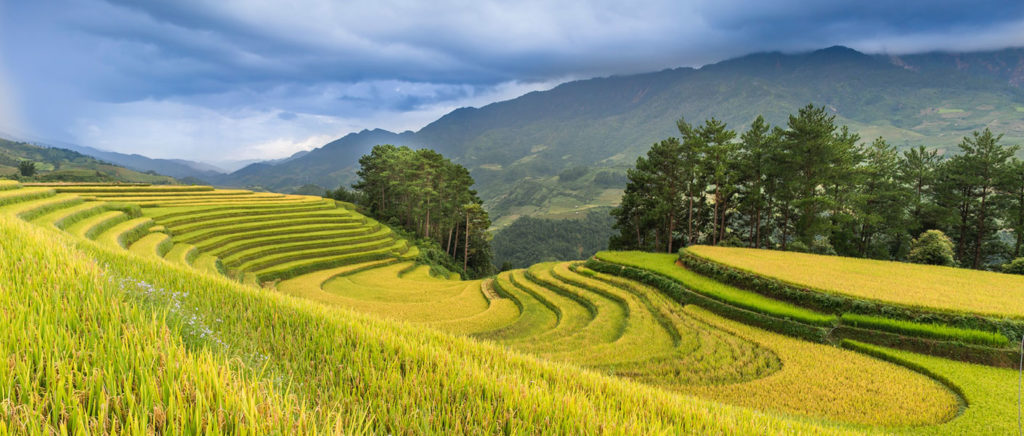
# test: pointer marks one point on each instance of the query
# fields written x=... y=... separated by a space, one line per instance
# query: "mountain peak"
x=837 y=49
x=837 y=52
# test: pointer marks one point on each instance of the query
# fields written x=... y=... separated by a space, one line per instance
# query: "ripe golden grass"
x=990 y=393
x=86 y=226
x=820 y=380
x=62 y=217
x=115 y=235
x=150 y=245
x=295 y=365
x=381 y=292
x=665 y=264
x=701 y=354
x=181 y=254
x=625 y=328
x=534 y=316
x=501 y=312
x=140 y=346
x=921 y=286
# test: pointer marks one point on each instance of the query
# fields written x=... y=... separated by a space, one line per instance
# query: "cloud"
x=10 y=117
x=234 y=77
x=175 y=129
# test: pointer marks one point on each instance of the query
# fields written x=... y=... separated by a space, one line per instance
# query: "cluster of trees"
x=430 y=197
x=814 y=186
x=27 y=168
x=530 y=240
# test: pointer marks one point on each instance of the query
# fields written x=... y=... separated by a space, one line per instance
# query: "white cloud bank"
x=177 y=129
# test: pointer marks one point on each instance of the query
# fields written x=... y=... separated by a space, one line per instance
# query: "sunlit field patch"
x=925 y=286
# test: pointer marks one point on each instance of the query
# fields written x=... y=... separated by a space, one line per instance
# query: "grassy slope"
x=665 y=264
x=932 y=287
x=185 y=351
x=991 y=393
x=273 y=352
x=58 y=164
x=709 y=359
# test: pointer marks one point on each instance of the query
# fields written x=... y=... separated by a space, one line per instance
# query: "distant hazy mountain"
x=328 y=166
x=176 y=168
x=517 y=149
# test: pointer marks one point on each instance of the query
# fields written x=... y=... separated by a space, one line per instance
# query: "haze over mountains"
x=519 y=150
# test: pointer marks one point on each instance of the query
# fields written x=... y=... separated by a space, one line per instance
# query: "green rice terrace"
x=188 y=309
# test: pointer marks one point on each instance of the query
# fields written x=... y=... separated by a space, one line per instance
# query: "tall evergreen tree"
x=987 y=162
x=758 y=146
x=820 y=155
x=917 y=170
x=656 y=184
x=1013 y=185
x=692 y=148
x=720 y=171
x=880 y=202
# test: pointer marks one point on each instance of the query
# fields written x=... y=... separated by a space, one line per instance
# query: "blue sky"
x=226 y=80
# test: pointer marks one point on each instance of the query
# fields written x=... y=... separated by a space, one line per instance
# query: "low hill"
x=57 y=165
x=517 y=149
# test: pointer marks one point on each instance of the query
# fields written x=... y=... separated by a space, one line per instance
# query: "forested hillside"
x=61 y=165
x=530 y=240
x=518 y=149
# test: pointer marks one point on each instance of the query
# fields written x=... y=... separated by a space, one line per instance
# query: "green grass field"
x=170 y=309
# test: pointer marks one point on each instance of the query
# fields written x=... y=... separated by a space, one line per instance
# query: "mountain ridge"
x=516 y=148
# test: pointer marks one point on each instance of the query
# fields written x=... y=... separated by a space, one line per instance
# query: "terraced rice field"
x=926 y=286
x=565 y=312
x=99 y=341
x=259 y=236
x=341 y=342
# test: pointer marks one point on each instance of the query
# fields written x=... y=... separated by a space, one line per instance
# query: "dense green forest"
x=531 y=240
x=813 y=185
x=429 y=197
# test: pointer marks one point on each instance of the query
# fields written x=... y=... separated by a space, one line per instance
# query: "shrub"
x=27 y=168
x=822 y=246
x=1015 y=267
x=798 y=247
x=572 y=174
x=932 y=248
x=732 y=241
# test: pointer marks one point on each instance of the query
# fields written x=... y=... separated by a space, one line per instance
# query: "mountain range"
x=558 y=152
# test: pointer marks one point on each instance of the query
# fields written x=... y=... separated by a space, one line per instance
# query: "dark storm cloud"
x=359 y=61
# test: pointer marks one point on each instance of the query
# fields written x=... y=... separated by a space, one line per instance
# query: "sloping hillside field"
x=187 y=309
x=923 y=286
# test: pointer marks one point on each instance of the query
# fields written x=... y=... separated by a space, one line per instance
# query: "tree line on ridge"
x=813 y=185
